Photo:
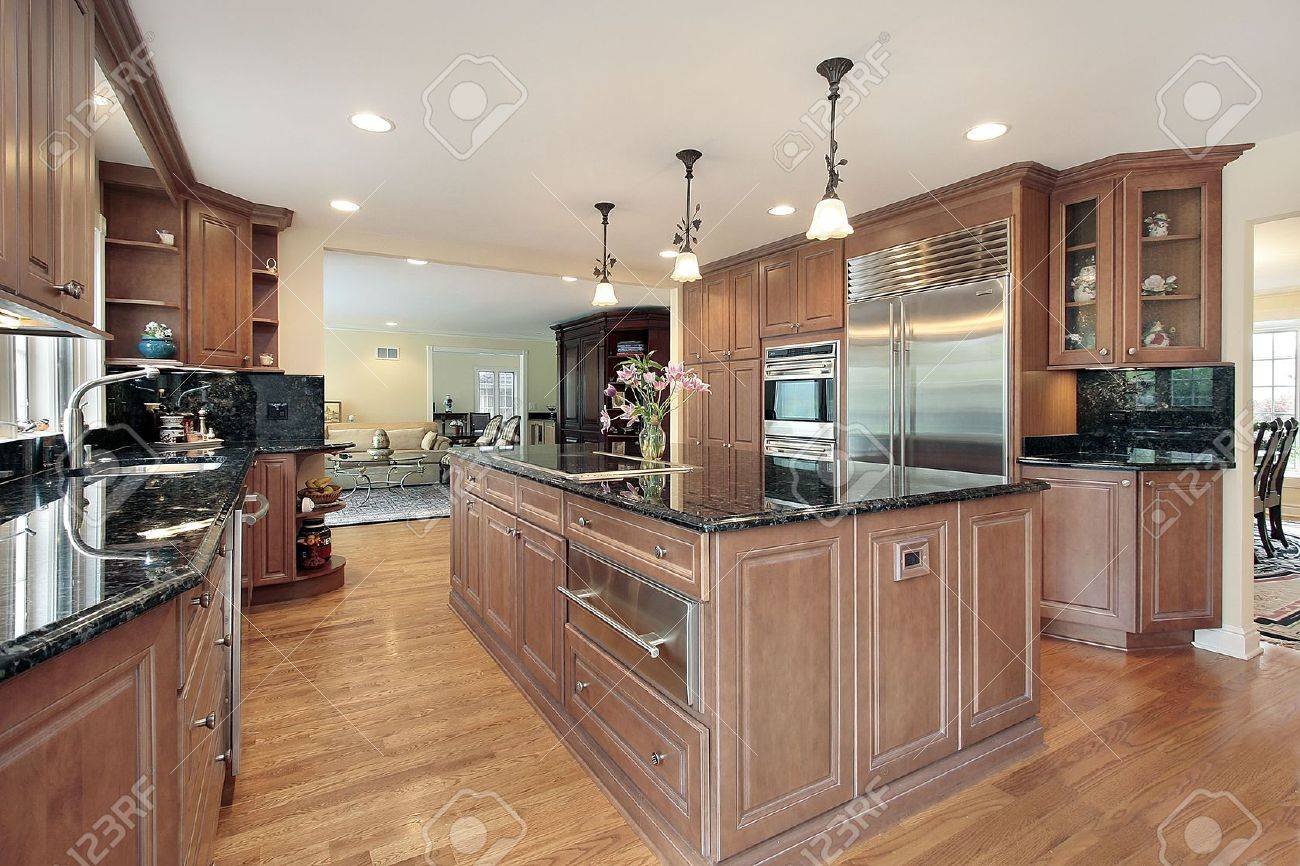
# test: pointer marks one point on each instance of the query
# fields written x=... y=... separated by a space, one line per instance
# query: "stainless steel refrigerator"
x=927 y=361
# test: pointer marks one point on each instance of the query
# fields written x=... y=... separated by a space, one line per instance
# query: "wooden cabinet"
x=541 y=567
x=802 y=290
x=48 y=154
x=472 y=564
x=219 y=286
x=500 y=585
x=693 y=307
x=730 y=415
x=1131 y=559
x=1127 y=288
x=908 y=661
x=725 y=315
x=271 y=539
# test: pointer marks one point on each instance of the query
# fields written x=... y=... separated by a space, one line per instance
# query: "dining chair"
x=509 y=434
x=490 y=430
x=1278 y=479
x=1269 y=443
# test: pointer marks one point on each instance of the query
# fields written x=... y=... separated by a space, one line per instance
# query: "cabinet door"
x=10 y=206
x=1090 y=546
x=591 y=375
x=541 y=568
x=472 y=546
x=821 y=286
x=78 y=198
x=219 y=287
x=1172 y=325
x=907 y=637
x=746 y=379
x=41 y=148
x=500 y=593
x=744 y=343
x=1182 y=565
x=570 y=384
x=693 y=324
x=254 y=541
x=276 y=473
x=778 y=295
x=458 y=536
x=693 y=419
x=785 y=728
x=715 y=406
x=1083 y=311
x=717 y=317
x=1001 y=572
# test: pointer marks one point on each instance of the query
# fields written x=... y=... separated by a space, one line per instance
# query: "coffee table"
x=365 y=471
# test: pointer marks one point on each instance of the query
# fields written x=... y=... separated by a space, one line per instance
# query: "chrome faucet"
x=74 y=423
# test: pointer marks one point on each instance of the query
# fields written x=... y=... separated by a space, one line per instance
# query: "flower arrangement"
x=1156 y=285
x=157 y=331
x=156 y=342
x=1157 y=225
x=648 y=392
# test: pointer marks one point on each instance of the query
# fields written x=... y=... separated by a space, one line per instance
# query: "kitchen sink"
x=150 y=469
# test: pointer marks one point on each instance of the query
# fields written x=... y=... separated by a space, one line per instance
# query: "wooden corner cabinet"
x=1132 y=560
x=1136 y=261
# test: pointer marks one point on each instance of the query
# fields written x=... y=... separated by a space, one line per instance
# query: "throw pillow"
x=430 y=439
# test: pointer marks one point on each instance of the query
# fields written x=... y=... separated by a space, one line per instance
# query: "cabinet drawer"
x=470 y=473
x=662 y=750
x=540 y=505
x=498 y=488
x=658 y=550
x=198 y=612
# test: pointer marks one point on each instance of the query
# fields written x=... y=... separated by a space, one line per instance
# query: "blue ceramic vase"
x=157 y=349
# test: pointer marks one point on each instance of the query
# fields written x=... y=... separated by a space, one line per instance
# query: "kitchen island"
x=759 y=660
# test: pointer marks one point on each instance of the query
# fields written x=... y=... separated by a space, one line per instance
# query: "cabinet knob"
x=1132 y=351
x=582 y=521
x=1151 y=484
x=660 y=551
x=224 y=640
x=579 y=686
x=208 y=721
x=657 y=758
x=1103 y=352
x=72 y=289
x=202 y=600
x=1126 y=483
x=223 y=758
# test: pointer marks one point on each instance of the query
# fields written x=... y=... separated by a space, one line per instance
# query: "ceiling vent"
x=386 y=353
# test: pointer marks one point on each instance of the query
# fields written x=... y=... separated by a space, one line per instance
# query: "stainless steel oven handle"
x=648 y=642
x=264 y=505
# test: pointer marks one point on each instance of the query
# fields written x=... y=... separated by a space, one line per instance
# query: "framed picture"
x=333 y=411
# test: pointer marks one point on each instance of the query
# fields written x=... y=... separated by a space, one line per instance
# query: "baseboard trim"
x=1229 y=641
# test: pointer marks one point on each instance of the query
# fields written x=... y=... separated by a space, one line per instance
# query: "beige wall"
x=302 y=300
x=384 y=391
x=1261 y=186
x=1278 y=306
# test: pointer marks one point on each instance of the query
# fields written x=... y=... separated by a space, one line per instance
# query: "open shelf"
x=335 y=564
x=142 y=362
x=258 y=320
x=263 y=272
x=141 y=302
x=143 y=245
x=320 y=510
x=1165 y=238
x=1146 y=298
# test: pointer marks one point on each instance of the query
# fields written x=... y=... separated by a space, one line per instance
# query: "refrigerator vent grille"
x=967 y=255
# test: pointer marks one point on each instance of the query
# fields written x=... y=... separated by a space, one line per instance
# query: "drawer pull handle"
x=648 y=642
x=72 y=289
x=224 y=640
x=202 y=600
x=1126 y=483
x=579 y=686
x=223 y=758
x=657 y=758
x=660 y=552
x=582 y=521
x=209 y=721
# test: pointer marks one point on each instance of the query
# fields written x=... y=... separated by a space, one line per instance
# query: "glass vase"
x=651 y=440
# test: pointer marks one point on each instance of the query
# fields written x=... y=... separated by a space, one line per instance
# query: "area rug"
x=1277 y=610
x=1285 y=564
x=419 y=502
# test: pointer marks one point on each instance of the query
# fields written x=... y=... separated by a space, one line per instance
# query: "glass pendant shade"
x=687 y=268
x=830 y=220
x=604 y=296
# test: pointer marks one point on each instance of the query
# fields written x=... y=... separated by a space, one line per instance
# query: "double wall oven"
x=799 y=400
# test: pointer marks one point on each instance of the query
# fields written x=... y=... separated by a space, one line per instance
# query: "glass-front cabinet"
x=1135 y=269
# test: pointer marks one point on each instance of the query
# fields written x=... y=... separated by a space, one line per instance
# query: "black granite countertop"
x=1131 y=459
x=728 y=489
x=58 y=590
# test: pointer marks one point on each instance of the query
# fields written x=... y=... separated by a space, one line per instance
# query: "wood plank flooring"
x=371 y=711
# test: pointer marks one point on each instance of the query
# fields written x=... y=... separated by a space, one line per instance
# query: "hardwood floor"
x=387 y=714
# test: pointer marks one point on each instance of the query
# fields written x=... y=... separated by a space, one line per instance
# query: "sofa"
x=406 y=438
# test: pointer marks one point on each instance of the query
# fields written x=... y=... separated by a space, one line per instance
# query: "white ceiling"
x=262 y=91
x=1277 y=256
x=365 y=291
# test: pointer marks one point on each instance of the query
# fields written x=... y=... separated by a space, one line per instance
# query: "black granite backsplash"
x=1175 y=407
x=242 y=407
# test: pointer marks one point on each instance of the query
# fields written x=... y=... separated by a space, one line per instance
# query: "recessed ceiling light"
x=668 y=254
x=417 y=261
x=986 y=131
x=371 y=122
x=345 y=205
x=781 y=209
x=569 y=279
x=391 y=324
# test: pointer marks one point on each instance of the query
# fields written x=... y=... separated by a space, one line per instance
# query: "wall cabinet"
x=720 y=316
x=219 y=286
x=47 y=197
x=730 y=415
x=802 y=290
x=1131 y=559
x=1128 y=289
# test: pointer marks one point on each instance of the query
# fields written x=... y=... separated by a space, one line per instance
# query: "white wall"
x=1262 y=185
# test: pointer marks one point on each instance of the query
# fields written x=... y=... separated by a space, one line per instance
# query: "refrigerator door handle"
x=900 y=388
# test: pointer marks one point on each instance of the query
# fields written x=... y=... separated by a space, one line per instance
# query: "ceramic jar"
x=315 y=544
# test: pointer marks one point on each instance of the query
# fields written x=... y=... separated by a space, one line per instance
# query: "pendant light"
x=604 y=296
x=830 y=220
x=686 y=268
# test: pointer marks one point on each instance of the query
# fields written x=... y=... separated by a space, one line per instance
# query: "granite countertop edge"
x=1077 y=461
x=41 y=644
x=655 y=511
